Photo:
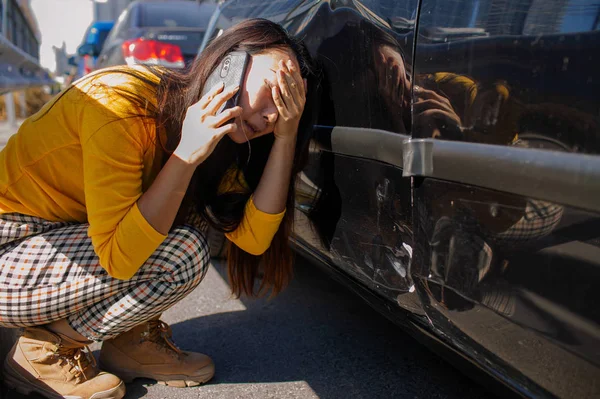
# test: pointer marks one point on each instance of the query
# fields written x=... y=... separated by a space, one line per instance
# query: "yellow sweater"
x=80 y=159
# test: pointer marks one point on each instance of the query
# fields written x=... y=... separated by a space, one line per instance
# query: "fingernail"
x=236 y=88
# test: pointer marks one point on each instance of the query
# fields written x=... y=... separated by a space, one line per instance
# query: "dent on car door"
x=506 y=160
x=353 y=205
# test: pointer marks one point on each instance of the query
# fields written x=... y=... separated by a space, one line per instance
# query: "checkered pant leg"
x=49 y=271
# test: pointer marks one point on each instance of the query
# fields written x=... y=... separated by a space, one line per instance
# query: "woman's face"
x=259 y=112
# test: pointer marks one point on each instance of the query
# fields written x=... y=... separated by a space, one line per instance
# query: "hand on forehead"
x=267 y=63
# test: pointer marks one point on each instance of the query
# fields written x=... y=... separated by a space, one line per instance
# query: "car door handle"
x=562 y=177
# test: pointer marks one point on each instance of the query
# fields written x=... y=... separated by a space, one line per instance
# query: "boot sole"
x=13 y=380
x=174 y=380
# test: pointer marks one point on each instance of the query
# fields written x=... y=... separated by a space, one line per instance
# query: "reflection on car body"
x=454 y=174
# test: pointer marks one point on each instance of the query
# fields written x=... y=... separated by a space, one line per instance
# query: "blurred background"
x=47 y=44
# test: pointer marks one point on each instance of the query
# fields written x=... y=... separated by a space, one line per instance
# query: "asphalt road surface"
x=315 y=340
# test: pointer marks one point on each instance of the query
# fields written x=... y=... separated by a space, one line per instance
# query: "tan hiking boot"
x=55 y=366
x=147 y=351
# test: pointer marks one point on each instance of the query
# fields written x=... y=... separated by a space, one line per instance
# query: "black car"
x=166 y=33
x=454 y=175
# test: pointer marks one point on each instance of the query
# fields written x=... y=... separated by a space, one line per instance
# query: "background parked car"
x=166 y=33
x=454 y=175
x=92 y=44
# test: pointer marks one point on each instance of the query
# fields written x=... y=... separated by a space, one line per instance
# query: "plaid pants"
x=49 y=271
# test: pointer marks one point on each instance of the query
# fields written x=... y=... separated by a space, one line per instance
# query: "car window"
x=173 y=15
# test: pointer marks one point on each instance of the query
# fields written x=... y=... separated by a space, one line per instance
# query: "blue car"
x=94 y=39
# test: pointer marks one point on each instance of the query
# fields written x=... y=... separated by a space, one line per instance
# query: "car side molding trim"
x=561 y=177
x=376 y=144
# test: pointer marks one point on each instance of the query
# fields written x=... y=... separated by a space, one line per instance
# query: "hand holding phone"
x=211 y=118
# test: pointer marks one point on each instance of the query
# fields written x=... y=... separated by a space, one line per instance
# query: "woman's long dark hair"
x=175 y=92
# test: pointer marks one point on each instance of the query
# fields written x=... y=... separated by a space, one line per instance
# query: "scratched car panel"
x=453 y=173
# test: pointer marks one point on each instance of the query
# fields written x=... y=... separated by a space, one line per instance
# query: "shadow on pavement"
x=317 y=331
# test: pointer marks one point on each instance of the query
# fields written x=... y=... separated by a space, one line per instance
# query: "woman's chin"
x=237 y=137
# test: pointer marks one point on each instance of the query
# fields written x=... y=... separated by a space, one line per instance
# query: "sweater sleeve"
x=257 y=228
x=113 y=150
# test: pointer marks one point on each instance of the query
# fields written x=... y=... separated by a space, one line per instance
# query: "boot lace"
x=79 y=360
x=160 y=333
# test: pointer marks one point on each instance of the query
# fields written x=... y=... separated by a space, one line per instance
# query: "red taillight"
x=142 y=51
